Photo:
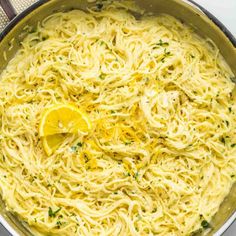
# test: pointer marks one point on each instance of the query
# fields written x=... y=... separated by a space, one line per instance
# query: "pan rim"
x=192 y=3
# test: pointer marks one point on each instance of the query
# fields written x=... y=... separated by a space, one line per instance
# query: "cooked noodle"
x=161 y=156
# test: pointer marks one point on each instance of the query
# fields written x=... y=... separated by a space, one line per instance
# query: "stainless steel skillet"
x=188 y=11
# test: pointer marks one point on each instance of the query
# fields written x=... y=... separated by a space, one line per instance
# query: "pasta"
x=160 y=158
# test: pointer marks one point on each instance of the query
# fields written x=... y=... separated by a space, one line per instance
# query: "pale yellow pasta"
x=161 y=155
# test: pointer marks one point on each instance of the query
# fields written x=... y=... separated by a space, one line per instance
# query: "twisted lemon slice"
x=59 y=120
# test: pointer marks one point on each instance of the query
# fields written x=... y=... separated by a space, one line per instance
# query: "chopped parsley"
x=128 y=143
x=52 y=213
x=205 y=224
x=59 y=224
x=161 y=43
x=233 y=145
x=102 y=77
x=44 y=38
x=86 y=158
x=99 y=6
x=73 y=148
x=127 y=174
x=222 y=139
x=154 y=210
x=79 y=144
x=166 y=54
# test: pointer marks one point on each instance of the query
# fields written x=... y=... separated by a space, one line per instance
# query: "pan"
x=189 y=12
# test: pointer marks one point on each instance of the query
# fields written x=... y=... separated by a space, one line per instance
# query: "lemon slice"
x=63 y=118
x=52 y=142
x=59 y=120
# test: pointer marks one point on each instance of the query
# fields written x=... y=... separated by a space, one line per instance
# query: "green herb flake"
x=86 y=158
x=127 y=174
x=136 y=175
x=227 y=123
x=154 y=210
x=73 y=148
x=222 y=139
x=59 y=224
x=232 y=176
x=79 y=144
x=167 y=53
x=102 y=77
x=99 y=6
x=230 y=109
x=52 y=213
x=205 y=224
x=161 y=43
x=233 y=145
x=45 y=37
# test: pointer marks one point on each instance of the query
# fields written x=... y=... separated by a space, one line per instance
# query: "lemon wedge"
x=59 y=120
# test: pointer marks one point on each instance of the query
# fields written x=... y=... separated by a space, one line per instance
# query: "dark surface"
x=18 y=18
x=8 y=8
